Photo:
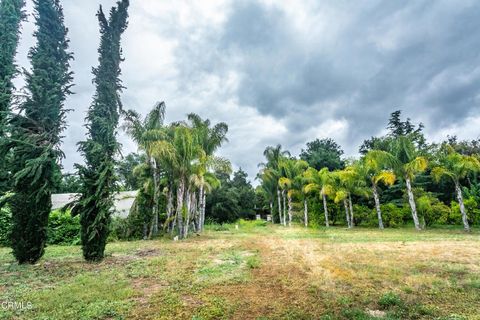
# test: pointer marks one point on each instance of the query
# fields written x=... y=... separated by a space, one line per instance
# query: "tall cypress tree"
x=36 y=132
x=98 y=173
x=11 y=15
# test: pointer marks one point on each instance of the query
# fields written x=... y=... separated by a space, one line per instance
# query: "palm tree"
x=272 y=168
x=291 y=169
x=322 y=182
x=376 y=167
x=348 y=181
x=145 y=133
x=210 y=139
x=408 y=164
x=456 y=167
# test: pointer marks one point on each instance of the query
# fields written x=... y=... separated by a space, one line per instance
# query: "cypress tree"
x=36 y=132
x=11 y=15
x=101 y=146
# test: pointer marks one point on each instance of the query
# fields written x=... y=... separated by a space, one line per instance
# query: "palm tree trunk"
x=156 y=197
x=347 y=214
x=279 y=197
x=305 y=212
x=188 y=203
x=202 y=208
x=325 y=210
x=413 y=206
x=290 y=212
x=169 y=208
x=271 y=211
x=462 y=206
x=377 y=205
x=284 y=208
x=180 y=204
x=351 y=210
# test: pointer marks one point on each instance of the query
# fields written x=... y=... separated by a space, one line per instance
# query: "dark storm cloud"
x=287 y=73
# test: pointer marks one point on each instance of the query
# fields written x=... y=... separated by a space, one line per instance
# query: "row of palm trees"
x=180 y=165
x=283 y=177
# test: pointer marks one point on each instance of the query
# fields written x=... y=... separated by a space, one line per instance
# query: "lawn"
x=256 y=272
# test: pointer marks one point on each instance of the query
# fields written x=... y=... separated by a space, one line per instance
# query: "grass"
x=250 y=270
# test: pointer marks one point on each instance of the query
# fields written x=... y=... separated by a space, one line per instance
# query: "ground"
x=256 y=272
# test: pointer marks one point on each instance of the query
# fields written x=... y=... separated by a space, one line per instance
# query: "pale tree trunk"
x=351 y=210
x=193 y=211
x=305 y=212
x=279 y=197
x=377 y=205
x=413 y=206
x=271 y=211
x=156 y=197
x=462 y=206
x=325 y=210
x=180 y=203
x=202 y=209
x=201 y=206
x=347 y=214
x=284 y=208
x=290 y=213
x=169 y=208
x=188 y=202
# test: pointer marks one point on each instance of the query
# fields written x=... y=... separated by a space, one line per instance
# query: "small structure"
x=122 y=203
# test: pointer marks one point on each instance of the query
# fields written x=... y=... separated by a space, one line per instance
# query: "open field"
x=257 y=272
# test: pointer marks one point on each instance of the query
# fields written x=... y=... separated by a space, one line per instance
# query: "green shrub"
x=63 y=228
x=432 y=210
x=392 y=215
x=472 y=208
x=390 y=299
x=5 y=227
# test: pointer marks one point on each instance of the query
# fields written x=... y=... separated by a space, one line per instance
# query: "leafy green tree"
x=36 y=132
x=70 y=183
x=325 y=153
x=11 y=15
x=291 y=169
x=98 y=173
x=456 y=167
x=125 y=167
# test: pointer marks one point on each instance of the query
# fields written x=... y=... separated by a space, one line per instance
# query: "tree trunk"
x=325 y=210
x=347 y=214
x=351 y=210
x=413 y=206
x=284 y=208
x=170 y=208
x=290 y=213
x=180 y=204
x=305 y=212
x=271 y=211
x=188 y=199
x=202 y=209
x=462 y=206
x=279 y=197
x=156 y=197
x=377 y=205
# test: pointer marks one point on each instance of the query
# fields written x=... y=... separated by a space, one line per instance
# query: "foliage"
x=325 y=153
x=455 y=216
x=70 y=183
x=125 y=171
x=63 y=228
x=432 y=210
x=5 y=227
x=11 y=15
x=98 y=173
x=36 y=132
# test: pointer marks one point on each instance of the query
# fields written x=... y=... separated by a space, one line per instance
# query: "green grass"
x=256 y=271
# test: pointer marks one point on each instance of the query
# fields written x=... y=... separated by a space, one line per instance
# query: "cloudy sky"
x=287 y=71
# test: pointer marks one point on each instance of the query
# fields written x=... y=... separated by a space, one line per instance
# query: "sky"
x=285 y=72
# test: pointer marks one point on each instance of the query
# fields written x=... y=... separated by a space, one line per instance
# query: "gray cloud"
x=288 y=73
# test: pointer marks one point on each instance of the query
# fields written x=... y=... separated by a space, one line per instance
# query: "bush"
x=432 y=210
x=472 y=208
x=392 y=215
x=5 y=227
x=389 y=300
x=63 y=228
